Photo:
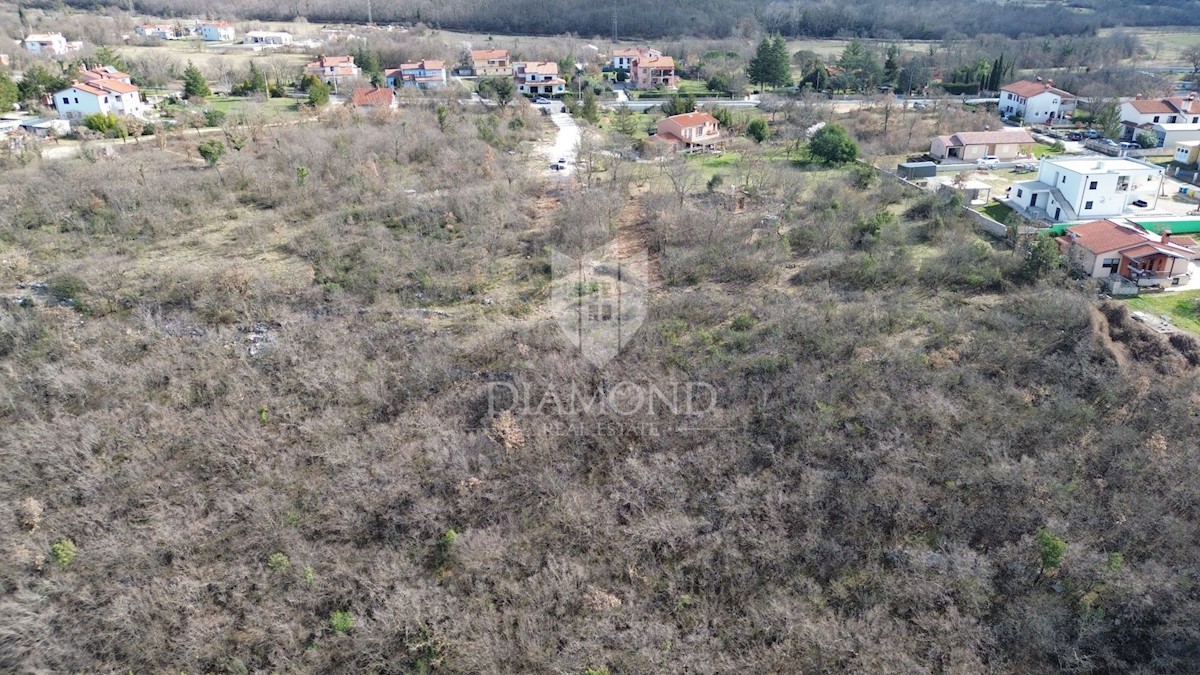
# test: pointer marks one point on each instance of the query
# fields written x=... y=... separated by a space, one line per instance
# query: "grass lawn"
x=1180 y=307
x=271 y=106
x=642 y=123
x=995 y=210
x=696 y=88
x=1041 y=150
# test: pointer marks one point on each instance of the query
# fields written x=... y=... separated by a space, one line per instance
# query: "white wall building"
x=271 y=38
x=49 y=44
x=1087 y=188
x=98 y=96
x=218 y=31
x=1036 y=102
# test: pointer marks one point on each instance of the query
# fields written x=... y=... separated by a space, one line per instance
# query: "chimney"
x=1165 y=237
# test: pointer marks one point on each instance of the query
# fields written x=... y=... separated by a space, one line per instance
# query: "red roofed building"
x=490 y=63
x=689 y=131
x=368 y=98
x=623 y=59
x=333 y=68
x=420 y=75
x=968 y=146
x=1037 y=102
x=1102 y=249
x=539 y=79
x=650 y=72
x=1142 y=114
x=104 y=73
x=99 y=95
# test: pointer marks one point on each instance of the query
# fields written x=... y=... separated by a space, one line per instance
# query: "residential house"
x=373 y=98
x=968 y=146
x=650 y=72
x=1103 y=249
x=98 y=96
x=333 y=68
x=490 y=63
x=217 y=31
x=50 y=44
x=1037 y=102
x=267 y=38
x=622 y=59
x=1170 y=134
x=1077 y=188
x=420 y=75
x=689 y=131
x=105 y=73
x=539 y=79
x=1187 y=153
x=161 y=31
x=1142 y=114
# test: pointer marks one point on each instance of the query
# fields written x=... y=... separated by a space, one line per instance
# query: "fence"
x=982 y=221
x=1117 y=151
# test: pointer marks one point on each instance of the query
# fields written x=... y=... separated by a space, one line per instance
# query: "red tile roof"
x=655 y=62
x=1027 y=89
x=693 y=118
x=1102 y=236
x=1167 y=106
x=372 y=96
x=963 y=138
x=1150 y=107
x=538 y=68
x=488 y=54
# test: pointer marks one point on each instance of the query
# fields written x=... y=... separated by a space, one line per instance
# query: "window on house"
x=1020 y=193
x=77 y=100
x=66 y=101
x=1064 y=179
x=1087 y=205
x=1155 y=119
x=1111 y=264
x=1092 y=185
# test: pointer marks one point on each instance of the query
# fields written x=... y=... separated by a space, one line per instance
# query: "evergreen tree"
x=256 y=82
x=781 y=65
x=891 y=66
x=194 y=84
x=318 y=94
x=832 y=145
x=623 y=121
x=37 y=82
x=861 y=70
x=759 y=70
x=758 y=129
x=590 y=110
x=8 y=93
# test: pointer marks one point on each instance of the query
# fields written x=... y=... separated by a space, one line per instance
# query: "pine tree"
x=781 y=65
x=891 y=66
x=759 y=70
x=8 y=93
x=194 y=84
x=623 y=122
x=257 y=82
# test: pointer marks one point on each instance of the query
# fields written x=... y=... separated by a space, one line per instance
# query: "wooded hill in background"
x=911 y=19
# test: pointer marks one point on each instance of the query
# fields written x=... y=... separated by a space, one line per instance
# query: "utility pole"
x=369 y=20
x=614 y=15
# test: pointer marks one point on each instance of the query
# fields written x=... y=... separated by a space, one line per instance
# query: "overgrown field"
x=247 y=423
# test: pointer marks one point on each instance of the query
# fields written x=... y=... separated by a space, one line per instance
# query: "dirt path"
x=634 y=235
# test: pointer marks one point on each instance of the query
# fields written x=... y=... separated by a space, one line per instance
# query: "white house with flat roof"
x=50 y=44
x=267 y=38
x=1086 y=188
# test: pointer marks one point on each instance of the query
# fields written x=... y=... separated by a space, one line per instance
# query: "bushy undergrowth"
x=266 y=434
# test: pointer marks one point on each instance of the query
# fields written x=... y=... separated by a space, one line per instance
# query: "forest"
x=885 y=19
x=246 y=416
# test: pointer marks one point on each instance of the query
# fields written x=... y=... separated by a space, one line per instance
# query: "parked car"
x=1075 y=136
x=562 y=161
x=541 y=100
x=1126 y=145
x=1092 y=133
x=556 y=167
x=920 y=105
x=987 y=160
x=1109 y=142
x=1141 y=202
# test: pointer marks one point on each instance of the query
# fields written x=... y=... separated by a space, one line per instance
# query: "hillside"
x=910 y=19
x=249 y=423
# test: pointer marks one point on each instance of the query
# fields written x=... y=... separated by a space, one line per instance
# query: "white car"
x=541 y=100
x=988 y=160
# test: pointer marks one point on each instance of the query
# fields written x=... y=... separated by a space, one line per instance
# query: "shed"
x=911 y=170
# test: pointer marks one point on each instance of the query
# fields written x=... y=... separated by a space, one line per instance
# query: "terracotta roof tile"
x=1028 y=89
x=372 y=96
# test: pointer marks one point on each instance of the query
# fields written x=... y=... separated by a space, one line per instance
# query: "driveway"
x=565 y=145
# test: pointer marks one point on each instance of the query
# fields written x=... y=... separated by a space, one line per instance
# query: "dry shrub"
x=29 y=515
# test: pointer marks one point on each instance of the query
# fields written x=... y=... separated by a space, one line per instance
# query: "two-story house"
x=104 y=73
x=1152 y=114
x=217 y=31
x=49 y=44
x=689 y=131
x=622 y=59
x=650 y=72
x=490 y=63
x=539 y=79
x=1037 y=102
x=419 y=75
x=1077 y=188
x=98 y=96
x=333 y=68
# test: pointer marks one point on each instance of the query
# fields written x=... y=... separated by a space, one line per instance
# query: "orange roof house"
x=689 y=131
x=374 y=97
x=490 y=62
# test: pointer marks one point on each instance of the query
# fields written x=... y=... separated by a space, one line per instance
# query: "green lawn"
x=696 y=88
x=1041 y=150
x=995 y=210
x=271 y=106
x=1180 y=307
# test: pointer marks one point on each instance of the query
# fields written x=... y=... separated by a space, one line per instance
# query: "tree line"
x=925 y=20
